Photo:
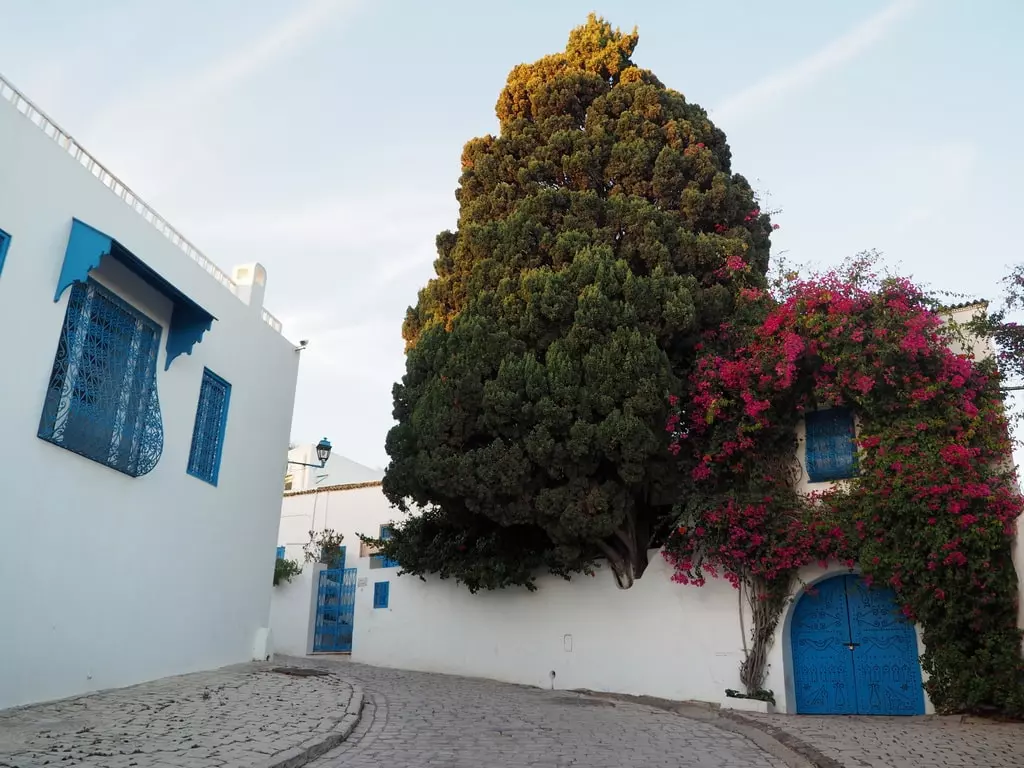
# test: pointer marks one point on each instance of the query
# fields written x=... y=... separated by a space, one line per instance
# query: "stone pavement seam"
x=816 y=757
x=795 y=752
x=314 y=748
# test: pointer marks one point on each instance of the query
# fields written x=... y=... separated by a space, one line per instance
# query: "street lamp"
x=323 y=452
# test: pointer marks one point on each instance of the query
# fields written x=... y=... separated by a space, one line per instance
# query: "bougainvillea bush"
x=932 y=510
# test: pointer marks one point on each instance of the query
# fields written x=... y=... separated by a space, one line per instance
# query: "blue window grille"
x=208 y=433
x=380 y=594
x=5 y=240
x=831 y=454
x=101 y=401
x=280 y=553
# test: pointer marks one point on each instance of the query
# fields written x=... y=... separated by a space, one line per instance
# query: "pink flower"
x=735 y=263
x=701 y=472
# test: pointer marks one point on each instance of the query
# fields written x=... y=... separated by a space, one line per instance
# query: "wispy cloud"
x=133 y=135
x=287 y=36
x=809 y=70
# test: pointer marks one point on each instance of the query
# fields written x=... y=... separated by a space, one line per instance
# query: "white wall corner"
x=263 y=645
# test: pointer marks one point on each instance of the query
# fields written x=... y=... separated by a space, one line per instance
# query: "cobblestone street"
x=414 y=720
x=893 y=742
x=238 y=716
x=252 y=715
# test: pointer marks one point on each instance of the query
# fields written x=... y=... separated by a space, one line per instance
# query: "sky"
x=322 y=138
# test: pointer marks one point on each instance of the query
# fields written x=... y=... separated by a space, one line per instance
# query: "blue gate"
x=853 y=652
x=335 y=609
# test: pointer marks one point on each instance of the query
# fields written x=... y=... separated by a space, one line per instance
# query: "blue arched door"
x=853 y=652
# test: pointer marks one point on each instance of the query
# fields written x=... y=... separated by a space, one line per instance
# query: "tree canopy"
x=600 y=234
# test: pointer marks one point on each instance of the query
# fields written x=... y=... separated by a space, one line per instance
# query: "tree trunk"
x=626 y=551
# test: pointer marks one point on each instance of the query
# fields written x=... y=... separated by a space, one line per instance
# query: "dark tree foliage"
x=599 y=234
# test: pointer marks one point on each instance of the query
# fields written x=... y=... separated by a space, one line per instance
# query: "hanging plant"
x=285 y=570
x=323 y=547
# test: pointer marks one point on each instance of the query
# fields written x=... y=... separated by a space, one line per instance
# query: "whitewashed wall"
x=293 y=611
x=658 y=638
x=338 y=471
x=108 y=580
x=346 y=510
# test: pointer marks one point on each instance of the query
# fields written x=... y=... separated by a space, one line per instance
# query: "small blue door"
x=335 y=610
x=853 y=652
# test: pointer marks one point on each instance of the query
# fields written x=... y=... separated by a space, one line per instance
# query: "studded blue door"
x=335 y=609
x=853 y=653
x=884 y=653
x=822 y=662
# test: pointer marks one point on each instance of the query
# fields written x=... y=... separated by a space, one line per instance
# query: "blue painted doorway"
x=853 y=652
x=335 y=610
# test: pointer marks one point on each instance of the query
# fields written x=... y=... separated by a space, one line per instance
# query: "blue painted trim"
x=830 y=451
x=204 y=390
x=5 y=241
x=187 y=328
x=280 y=553
x=381 y=594
x=85 y=251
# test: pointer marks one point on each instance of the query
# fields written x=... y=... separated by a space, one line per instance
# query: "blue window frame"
x=280 y=553
x=101 y=401
x=831 y=454
x=208 y=432
x=380 y=561
x=380 y=594
x=5 y=241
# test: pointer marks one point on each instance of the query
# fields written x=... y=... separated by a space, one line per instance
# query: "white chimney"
x=251 y=280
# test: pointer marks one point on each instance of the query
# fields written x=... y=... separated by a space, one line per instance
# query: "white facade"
x=109 y=579
x=350 y=510
x=657 y=638
x=338 y=470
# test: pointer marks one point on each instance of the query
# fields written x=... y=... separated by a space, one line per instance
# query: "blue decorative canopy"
x=87 y=247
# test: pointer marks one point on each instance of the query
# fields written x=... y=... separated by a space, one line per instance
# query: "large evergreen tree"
x=599 y=235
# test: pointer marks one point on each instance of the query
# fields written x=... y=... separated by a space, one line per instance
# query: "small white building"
x=314 y=612
x=145 y=407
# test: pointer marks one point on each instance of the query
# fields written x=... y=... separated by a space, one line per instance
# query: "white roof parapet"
x=66 y=142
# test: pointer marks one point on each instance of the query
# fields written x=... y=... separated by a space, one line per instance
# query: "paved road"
x=414 y=720
x=907 y=742
x=237 y=717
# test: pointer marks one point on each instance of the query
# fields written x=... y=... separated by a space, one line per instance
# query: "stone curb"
x=794 y=752
x=810 y=753
x=320 y=744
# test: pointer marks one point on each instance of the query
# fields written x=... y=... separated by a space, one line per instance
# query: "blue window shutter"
x=831 y=454
x=341 y=557
x=210 y=426
x=101 y=401
x=380 y=594
x=280 y=553
x=385 y=535
x=5 y=241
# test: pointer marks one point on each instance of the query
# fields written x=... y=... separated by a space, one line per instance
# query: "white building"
x=314 y=611
x=145 y=406
x=304 y=473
